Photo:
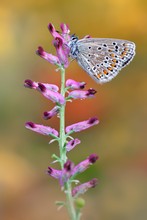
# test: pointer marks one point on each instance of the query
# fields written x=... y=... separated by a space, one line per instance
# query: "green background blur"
x=26 y=192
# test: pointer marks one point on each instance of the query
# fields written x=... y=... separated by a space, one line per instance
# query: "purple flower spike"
x=84 y=187
x=51 y=95
x=62 y=52
x=41 y=129
x=49 y=57
x=50 y=114
x=81 y=167
x=80 y=126
x=71 y=144
x=72 y=84
x=80 y=94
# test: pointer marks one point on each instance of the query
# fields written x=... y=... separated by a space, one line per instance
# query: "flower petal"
x=80 y=94
x=50 y=114
x=64 y=28
x=34 y=85
x=49 y=57
x=51 y=95
x=72 y=143
x=72 y=84
x=54 y=33
x=82 y=188
x=30 y=84
x=80 y=126
x=41 y=129
x=54 y=173
x=62 y=52
x=82 y=166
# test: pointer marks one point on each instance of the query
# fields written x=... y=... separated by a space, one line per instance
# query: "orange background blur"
x=26 y=192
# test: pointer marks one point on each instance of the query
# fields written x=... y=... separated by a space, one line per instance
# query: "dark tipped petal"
x=47 y=115
x=41 y=87
x=28 y=83
x=92 y=120
x=30 y=124
x=91 y=91
x=93 y=182
x=51 y=27
x=50 y=170
x=58 y=42
x=40 y=51
x=93 y=158
x=68 y=166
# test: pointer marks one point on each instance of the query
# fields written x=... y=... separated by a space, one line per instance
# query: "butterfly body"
x=101 y=58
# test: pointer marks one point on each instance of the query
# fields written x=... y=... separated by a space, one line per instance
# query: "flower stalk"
x=69 y=90
x=62 y=121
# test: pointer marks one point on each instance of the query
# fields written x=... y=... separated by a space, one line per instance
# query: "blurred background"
x=26 y=192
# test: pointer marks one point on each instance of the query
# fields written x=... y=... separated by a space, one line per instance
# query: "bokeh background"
x=26 y=192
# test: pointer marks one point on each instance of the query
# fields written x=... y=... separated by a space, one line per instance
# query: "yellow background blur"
x=26 y=192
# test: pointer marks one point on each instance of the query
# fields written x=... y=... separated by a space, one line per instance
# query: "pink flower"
x=49 y=57
x=65 y=29
x=62 y=175
x=30 y=84
x=41 y=129
x=72 y=143
x=65 y=32
x=62 y=52
x=51 y=95
x=50 y=114
x=84 y=187
x=72 y=84
x=80 y=126
x=34 y=85
x=54 y=33
x=80 y=94
x=82 y=166
x=54 y=173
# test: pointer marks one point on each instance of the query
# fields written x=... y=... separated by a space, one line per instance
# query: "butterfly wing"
x=103 y=58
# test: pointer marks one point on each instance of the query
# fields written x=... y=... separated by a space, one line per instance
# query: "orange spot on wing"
x=123 y=53
x=126 y=49
x=110 y=68
x=99 y=75
x=112 y=55
x=113 y=64
x=105 y=72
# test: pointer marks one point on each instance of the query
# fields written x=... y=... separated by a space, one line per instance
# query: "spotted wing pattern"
x=103 y=58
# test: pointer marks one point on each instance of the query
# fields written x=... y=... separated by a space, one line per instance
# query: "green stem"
x=70 y=202
x=63 y=157
x=62 y=120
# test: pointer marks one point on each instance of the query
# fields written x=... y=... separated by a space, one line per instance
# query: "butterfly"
x=101 y=58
